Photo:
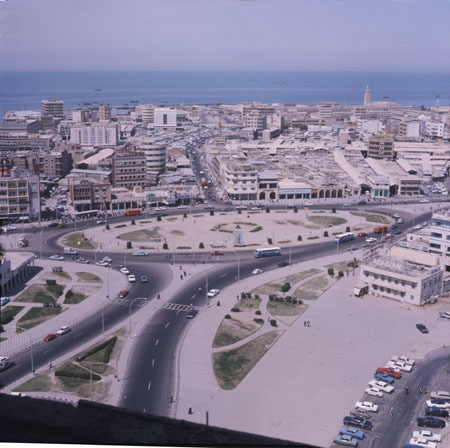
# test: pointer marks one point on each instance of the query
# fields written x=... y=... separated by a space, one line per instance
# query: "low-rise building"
x=55 y=163
x=381 y=147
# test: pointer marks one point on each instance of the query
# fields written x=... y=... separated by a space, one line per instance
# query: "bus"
x=344 y=237
x=267 y=252
x=133 y=211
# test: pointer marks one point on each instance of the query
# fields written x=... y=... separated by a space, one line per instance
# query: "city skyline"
x=260 y=35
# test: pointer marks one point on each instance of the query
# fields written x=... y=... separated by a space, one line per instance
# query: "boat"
x=86 y=103
x=98 y=90
x=134 y=101
x=254 y=80
x=385 y=97
x=278 y=82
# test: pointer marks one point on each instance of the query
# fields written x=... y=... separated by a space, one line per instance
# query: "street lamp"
x=31 y=348
x=40 y=242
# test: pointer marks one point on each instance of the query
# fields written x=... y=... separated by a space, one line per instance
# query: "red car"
x=361 y=234
x=390 y=372
x=50 y=337
x=122 y=293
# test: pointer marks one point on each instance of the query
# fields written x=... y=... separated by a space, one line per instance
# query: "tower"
x=437 y=103
x=367 y=96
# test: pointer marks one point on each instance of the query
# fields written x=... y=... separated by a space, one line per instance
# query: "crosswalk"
x=139 y=302
x=178 y=307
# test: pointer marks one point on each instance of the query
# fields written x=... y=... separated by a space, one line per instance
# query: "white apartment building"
x=95 y=134
x=168 y=118
x=433 y=128
x=440 y=234
x=104 y=112
x=409 y=129
x=155 y=155
x=240 y=181
x=53 y=108
x=255 y=120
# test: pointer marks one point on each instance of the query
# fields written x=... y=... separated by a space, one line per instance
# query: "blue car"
x=397 y=232
x=353 y=432
x=358 y=421
x=383 y=377
x=345 y=440
x=4 y=300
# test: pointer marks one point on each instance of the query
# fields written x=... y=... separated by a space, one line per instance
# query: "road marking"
x=178 y=312
x=168 y=323
x=156 y=343
x=223 y=275
x=153 y=362
x=193 y=297
x=76 y=335
x=148 y=388
x=49 y=350
x=143 y=410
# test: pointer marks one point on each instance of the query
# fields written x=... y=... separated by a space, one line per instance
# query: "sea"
x=24 y=90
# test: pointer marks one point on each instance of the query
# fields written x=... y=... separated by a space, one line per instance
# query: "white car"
x=401 y=366
x=371 y=240
x=366 y=406
x=3 y=359
x=181 y=206
x=399 y=221
x=124 y=270
x=107 y=259
x=385 y=387
x=63 y=330
x=132 y=278
x=102 y=263
x=213 y=293
x=440 y=395
x=419 y=441
x=424 y=201
x=374 y=391
x=256 y=271
x=56 y=257
x=309 y=203
x=404 y=359
x=160 y=209
x=417 y=227
x=443 y=405
x=428 y=435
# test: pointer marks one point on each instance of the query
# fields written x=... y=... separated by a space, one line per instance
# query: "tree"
x=107 y=227
x=295 y=209
x=333 y=210
x=331 y=272
x=133 y=222
x=165 y=246
x=129 y=245
x=267 y=210
x=347 y=229
x=158 y=218
x=299 y=238
x=211 y=212
x=325 y=233
x=184 y=215
x=201 y=246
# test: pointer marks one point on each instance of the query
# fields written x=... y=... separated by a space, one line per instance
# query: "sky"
x=297 y=35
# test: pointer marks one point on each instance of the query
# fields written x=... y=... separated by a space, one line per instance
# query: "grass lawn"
x=87 y=277
x=379 y=219
x=326 y=221
x=72 y=240
x=9 y=313
x=285 y=309
x=256 y=229
x=74 y=298
x=314 y=288
x=37 y=384
x=57 y=276
x=41 y=293
x=231 y=367
x=36 y=315
x=274 y=287
x=177 y=232
x=248 y=304
x=140 y=236
x=99 y=368
x=243 y=223
x=235 y=329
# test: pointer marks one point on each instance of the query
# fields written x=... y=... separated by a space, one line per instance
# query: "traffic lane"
x=150 y=372
x=114 y=311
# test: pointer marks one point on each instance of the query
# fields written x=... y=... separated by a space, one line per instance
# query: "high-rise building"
x=94 y=134
x=104 y=112
x=129 y=170
x=53 y=108
x=155 y=155
x=367 y=96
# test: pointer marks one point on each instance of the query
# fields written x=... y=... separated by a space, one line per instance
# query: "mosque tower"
x=367 y=96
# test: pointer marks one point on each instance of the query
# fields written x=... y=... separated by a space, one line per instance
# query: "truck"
x=381 y=229
x=203 y=182
x=359 y=291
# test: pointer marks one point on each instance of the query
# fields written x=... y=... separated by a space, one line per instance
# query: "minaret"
x=367 y=96
x=437 y=103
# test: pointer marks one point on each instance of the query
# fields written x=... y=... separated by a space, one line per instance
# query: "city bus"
x=344 y=237
x=267 y=252
x=133 y=211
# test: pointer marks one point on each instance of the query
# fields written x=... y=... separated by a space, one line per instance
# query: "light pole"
x=129 y=314
x=290 y=251
x=31 y=348
x=111 y=267
x=238 y=266
x=40 y=242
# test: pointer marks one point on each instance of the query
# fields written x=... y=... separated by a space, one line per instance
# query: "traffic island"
x=78 y=240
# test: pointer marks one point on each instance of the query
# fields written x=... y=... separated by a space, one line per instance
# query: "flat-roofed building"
x=129 y=170
x=381 y=147
x=55 y=163
x=104 y=112
x=288 y=189
x=16 y=195
x=53 y=108
x=88 y=194
x=440 y=234
x=267 y=186
x=155 y=155
x=95 y=134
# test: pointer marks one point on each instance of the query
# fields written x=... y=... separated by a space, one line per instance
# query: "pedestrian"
x=420 y=390
x=392 y=411
x=181 y=277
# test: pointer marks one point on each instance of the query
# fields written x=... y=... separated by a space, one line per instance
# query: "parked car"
x=191 y=314
x=440 y=394
x=101 y=221
x=383 y=377
x=399 y=365
x=63 y=330
x=282 y=264
x=390 y=372
x=362 y=234
x=374 y=391
x=4 y=300
x=107 y=259
x=420 y=442
x=385 y=387
x=428 y=435
x=442 y=404
x=122 y=294
x=397 y=232
x=217 y=252
x=341 y=439
x=366 y=406
x=430 y=422
x=49 y=337
x=144 y=279
x=359 y=422
x=102 y=263
x=56 y=257
x=436 y=412
x=422 y=328
x=70 y=251
x=213 y=293
x=404 y=359
x=256 y=271
x=399 y=221
x=124 y=270
x=352 y=248
x=353 y=432
x=371 y=240
x=140 y=253
x=444 y=314
x=132 y=278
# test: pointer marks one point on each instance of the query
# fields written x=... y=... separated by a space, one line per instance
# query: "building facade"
x=55 y=163
x=155 y=156
x=95 y=134
x=53 y=108
x=381 y=147
x=129 y=170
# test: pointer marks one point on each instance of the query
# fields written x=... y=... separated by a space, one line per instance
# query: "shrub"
x=256 y=296
x=107 y=227
x=325 y=233
x=129 y=245
x=269 y=240
x=267 y=210
x=258 y=313
x=227 y=316
x=50 y=282
x=109 y=349
x=235 y=309
x=133 y=222
x=331 y=271
x=295 y=210
x=97 y=348
x=239 y=212
x=258 y=320
x=165 y=246
x=347 y=229
x=158 y=218
x=341 y=273
x=184 y=215
x=69 y=294
x=286 y=287
x=333 y=210
x=211 y=213
x=83 y=376
x=299 y=238
x=242 y=295
x=273 y=322
x=201 y=246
